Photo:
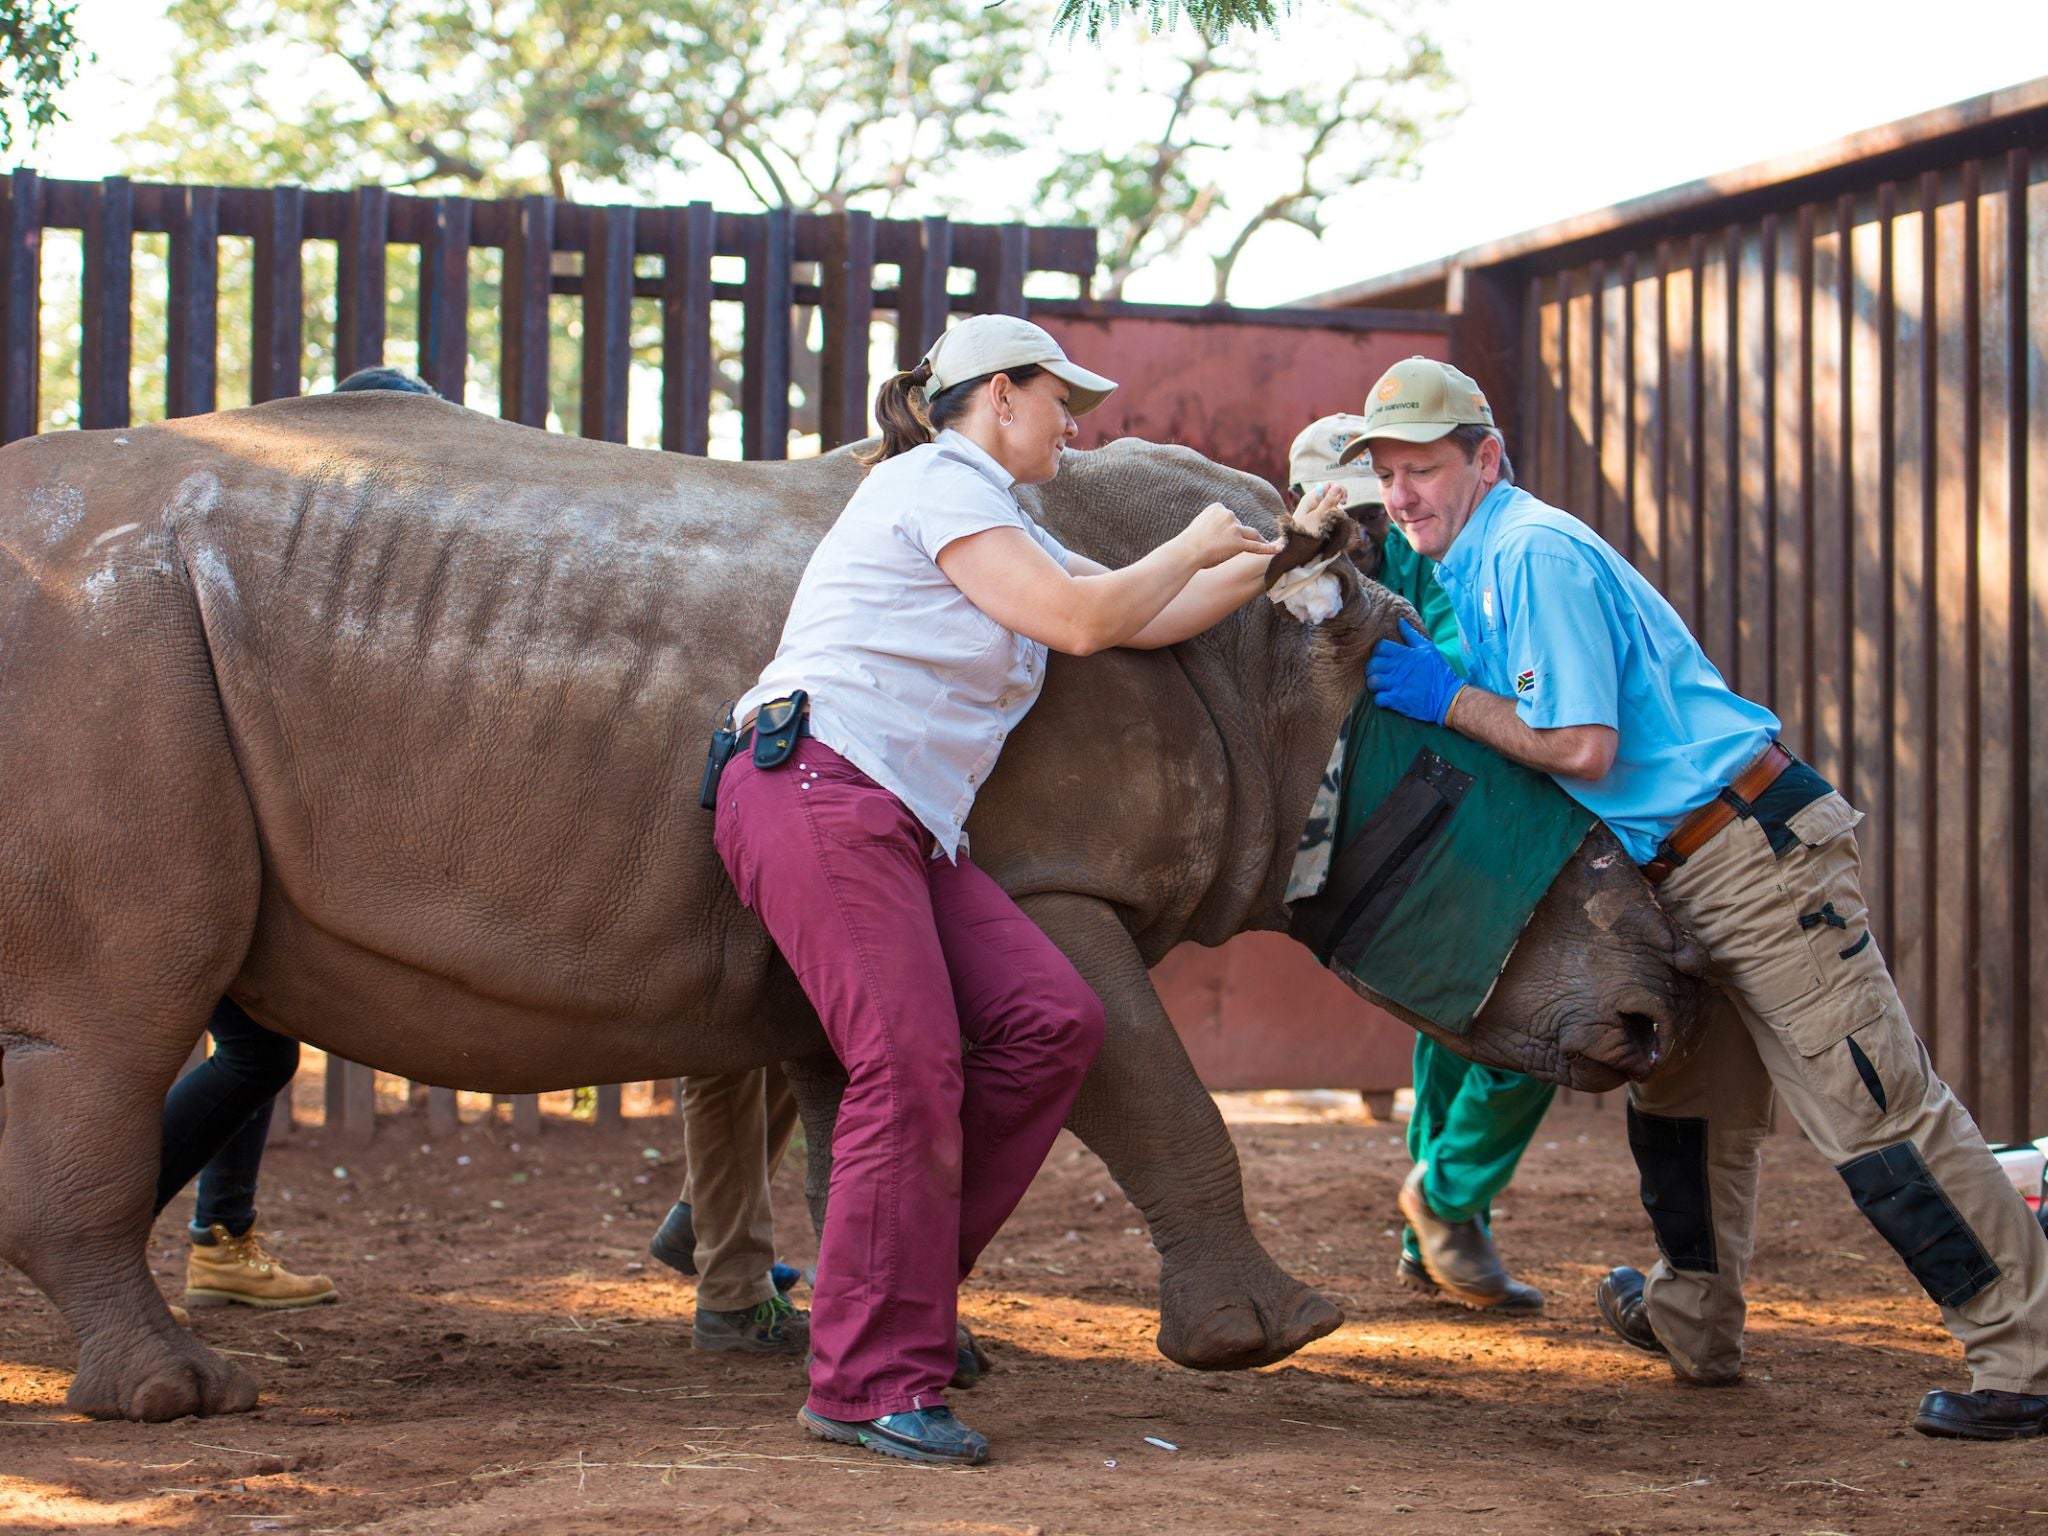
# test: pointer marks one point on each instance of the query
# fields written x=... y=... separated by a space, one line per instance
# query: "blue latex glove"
x=1411 y=677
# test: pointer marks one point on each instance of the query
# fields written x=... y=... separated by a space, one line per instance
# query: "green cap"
x=1419 y=400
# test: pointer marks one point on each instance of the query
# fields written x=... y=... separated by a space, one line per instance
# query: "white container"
x=2027 y=1166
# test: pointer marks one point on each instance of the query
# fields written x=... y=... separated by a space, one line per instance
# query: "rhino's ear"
x=1318 y=537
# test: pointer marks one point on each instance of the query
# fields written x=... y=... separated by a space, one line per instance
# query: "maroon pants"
x=902 y=954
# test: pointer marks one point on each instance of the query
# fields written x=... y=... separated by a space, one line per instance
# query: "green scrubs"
x=1471 y=1123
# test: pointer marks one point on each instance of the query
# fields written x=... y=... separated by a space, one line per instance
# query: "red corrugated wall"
x=1258 y=1012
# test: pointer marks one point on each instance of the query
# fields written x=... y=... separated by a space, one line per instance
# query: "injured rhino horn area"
x=1622 y=1045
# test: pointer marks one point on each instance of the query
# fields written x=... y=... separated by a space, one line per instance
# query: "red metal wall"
x=1258 y=1012
x=1237 y=390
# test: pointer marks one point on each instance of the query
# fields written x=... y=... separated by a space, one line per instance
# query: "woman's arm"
x=1210 y=595
x=1016 y=583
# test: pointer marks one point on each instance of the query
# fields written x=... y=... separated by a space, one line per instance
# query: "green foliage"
x=810 y=104
x=1211 y=18
x=39 y=56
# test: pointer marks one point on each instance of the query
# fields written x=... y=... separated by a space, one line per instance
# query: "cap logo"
x=1390 y=386
x=1479 y=401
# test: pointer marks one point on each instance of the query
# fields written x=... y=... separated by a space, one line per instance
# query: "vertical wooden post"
x=359 y=319
x=109 y=304
x=191 y=366
x=1002 y=284
x=607 y=320
x=688 y=243
x=611 y=1105
x=280 y=1118
x=922 y=300
x=21 y=305
x=847 y=280
x=529 y=272
x=444 y=300
x=351 y=1101
x=764 y=389
x=1486 y=342
x=444 y=1114
x=279 y=329
x=526 y=1114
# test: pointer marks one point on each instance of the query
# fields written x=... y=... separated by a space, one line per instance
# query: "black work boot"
x=1984 y=1415
x=1626 y=1310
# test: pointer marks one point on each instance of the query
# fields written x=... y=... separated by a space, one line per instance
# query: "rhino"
x=387 y=719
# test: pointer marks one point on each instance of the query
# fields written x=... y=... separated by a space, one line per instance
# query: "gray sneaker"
x=1460 y=1258
x=772 y=1327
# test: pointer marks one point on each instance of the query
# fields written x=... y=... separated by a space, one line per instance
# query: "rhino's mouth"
x=1624 y=1047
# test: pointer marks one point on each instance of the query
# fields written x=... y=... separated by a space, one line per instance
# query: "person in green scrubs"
x=1471 y=1123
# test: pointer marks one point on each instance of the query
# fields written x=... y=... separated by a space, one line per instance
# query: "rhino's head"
x=1603 y=986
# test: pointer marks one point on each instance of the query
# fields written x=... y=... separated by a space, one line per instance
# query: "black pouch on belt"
x=722 y=742
x=777 y=727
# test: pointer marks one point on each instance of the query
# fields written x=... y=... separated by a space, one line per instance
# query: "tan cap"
x=985 y=344
x=1419 y=400
x=1316 y=459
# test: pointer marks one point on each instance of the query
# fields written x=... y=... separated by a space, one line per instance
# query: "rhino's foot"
x=158 y=1378
x=1232 y=1316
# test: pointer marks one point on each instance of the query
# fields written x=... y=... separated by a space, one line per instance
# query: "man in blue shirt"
x=1471 y=1123
x=1578 y=667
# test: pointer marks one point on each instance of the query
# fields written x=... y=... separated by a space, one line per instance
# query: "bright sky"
x=1571 y=108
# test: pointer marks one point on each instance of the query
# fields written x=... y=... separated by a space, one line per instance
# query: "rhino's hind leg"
x=1224 y=1304
x=77 y=1179
x=128 y=888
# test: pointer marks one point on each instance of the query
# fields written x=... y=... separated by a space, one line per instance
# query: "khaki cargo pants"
x=1808 y=1011
x=736 y=1126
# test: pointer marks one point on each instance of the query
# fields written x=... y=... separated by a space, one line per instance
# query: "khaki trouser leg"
x=1827 y=1025
x=736 y=1126
x=1697 y=1129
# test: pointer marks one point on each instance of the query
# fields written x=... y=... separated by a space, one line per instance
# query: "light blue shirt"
x=909 y=681
x=1553 y=618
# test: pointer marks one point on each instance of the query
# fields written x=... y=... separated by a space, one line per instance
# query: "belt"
x=1698 y=829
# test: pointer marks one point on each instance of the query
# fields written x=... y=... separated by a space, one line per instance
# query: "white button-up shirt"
x=908 y=680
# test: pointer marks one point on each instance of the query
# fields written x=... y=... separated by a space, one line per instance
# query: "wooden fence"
x=605 y=256
x=1810 y=401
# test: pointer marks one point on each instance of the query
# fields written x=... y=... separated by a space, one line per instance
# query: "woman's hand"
x=1216 y=536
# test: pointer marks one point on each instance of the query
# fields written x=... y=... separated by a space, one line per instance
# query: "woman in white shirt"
x=915 y=644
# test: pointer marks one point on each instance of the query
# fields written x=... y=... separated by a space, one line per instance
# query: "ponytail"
x=900 y=412
x=908 y=418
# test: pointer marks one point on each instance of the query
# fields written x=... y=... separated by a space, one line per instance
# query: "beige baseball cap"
x=1419 y=400
x=985 y=344
x=1316 y=459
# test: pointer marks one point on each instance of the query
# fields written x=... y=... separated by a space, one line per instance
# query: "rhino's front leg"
x=1223 y=1303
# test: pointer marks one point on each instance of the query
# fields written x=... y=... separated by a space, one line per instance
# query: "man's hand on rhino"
x=1411 y=677
x=1319 y=531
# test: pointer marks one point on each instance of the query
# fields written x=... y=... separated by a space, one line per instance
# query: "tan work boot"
x=240 y=1269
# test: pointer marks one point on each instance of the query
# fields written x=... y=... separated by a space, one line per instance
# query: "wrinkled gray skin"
x=387 y=718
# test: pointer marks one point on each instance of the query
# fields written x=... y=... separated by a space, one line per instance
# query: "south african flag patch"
x=1524 y=682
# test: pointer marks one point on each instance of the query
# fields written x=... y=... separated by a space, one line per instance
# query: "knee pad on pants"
x=1671 y=1158
x=1894 y=1188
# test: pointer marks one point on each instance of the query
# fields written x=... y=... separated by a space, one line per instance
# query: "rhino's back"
x=467 y=669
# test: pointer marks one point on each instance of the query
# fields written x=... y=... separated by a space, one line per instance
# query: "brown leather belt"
x=1698 y=829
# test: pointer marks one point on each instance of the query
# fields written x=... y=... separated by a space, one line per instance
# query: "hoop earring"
x=1006 y=421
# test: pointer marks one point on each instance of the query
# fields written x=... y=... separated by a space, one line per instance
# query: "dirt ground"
x=507 y=1359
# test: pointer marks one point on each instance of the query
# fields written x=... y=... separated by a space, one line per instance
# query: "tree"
x=1165 y=140
x=39 y=56
x=922 y=106
x=1211 y=18
x=1376 y=89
